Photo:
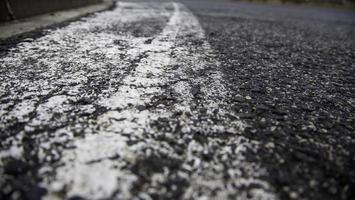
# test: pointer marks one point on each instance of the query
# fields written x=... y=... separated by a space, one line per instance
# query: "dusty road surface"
x=182 y=100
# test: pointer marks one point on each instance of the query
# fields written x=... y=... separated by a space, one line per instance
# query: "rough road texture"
x=182 y=100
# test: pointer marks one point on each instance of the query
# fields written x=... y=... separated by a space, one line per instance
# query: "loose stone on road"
x=180 y=100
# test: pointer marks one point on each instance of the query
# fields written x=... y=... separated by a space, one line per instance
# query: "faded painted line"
x=209 y=177
x=137 y=90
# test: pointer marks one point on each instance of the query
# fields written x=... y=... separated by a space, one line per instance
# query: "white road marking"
x=136 y=90
x=87 y=169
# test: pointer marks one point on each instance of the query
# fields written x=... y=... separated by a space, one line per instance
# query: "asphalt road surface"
x=182 y=100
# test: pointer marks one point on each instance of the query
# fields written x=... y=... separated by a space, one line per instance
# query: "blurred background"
x=327 y=3
x=17 y=9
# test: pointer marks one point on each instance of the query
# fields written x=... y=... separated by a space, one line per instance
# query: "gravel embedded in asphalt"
x=185 y=100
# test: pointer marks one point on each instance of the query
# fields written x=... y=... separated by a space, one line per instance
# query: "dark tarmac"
x=188 y=100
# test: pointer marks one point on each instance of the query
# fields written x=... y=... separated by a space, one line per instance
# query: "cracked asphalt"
x=181 y=100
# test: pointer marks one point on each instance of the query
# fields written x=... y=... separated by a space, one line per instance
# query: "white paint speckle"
x=121 y=76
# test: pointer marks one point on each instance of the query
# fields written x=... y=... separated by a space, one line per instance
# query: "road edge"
x=17 y=28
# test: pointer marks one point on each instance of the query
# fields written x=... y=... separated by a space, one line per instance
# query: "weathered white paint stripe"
x=208 y=178
x=137 y=90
